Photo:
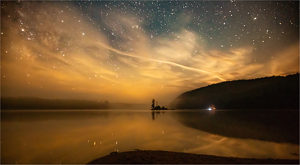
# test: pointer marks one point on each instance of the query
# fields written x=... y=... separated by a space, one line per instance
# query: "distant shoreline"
x=276 y=92
x=169 y=157
x=33 y=103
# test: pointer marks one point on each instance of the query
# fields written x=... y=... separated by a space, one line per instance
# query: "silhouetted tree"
x=153 y=104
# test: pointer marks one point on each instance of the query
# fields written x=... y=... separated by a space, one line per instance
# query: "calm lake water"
x=79 y=136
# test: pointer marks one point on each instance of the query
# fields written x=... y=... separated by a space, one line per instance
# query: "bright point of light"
x=209 y=109
x=254 y=18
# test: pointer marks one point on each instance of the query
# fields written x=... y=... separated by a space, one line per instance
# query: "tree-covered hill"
x=276 y=92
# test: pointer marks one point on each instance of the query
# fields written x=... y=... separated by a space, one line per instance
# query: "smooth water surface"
x=79 y=136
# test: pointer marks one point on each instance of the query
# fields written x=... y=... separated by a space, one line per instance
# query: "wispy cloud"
x=138 y=64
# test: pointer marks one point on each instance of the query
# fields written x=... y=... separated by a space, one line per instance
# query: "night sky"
x=132 y=52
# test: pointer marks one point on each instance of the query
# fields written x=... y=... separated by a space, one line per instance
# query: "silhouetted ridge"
x=276 y=92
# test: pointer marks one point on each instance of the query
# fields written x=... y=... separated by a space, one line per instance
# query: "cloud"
x=285 y=62
x=62 y=50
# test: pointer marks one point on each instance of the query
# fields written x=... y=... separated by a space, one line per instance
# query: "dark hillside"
x=261 y=93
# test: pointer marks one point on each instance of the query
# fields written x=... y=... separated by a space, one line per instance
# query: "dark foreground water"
x=83 y=135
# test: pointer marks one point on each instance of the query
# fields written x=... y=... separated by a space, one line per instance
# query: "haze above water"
x=83 y=135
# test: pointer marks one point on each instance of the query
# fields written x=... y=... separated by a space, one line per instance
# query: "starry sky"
x=134 y=51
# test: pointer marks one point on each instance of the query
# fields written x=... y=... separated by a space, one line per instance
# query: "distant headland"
x=276 y=92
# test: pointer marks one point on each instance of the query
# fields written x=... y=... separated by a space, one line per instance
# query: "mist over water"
x=64 y=136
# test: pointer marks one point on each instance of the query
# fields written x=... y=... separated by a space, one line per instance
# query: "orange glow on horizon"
x=85 y=65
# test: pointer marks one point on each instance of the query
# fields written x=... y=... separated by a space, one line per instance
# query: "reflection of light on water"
x=135 y=131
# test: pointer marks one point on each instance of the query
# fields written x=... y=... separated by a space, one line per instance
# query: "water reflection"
x=269 y=125
x=70 y=139
x=42 y=115
x=155 y=113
